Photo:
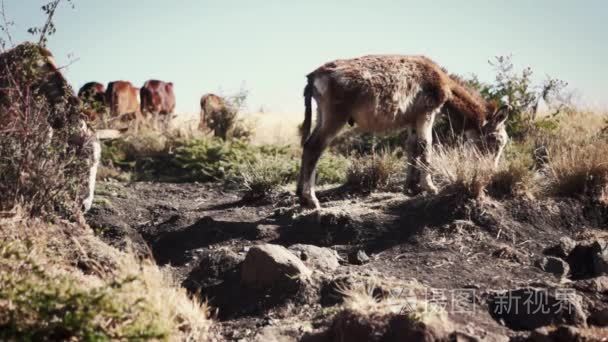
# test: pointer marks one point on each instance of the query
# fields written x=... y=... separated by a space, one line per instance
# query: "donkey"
x=379 y=93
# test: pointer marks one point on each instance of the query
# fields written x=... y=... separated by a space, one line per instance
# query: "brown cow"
x=93 y=96
x=158 y=99
x=216 y=115
x=123 y=99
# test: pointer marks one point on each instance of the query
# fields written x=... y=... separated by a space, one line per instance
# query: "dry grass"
x=462 y=166
x=371 y=172
x=360 y=301
x=58 y=281
x=578 y=167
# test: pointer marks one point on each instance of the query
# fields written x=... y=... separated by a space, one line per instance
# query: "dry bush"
x=378 y=171
x=60 y=282
x=578 y=167
x=465 y=167
x=43 y=151
x=265 y=176
x=462 y=166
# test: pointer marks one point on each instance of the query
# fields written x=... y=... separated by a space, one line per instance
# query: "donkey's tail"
x=305 y=129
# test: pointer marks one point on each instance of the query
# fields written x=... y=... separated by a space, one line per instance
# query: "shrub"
x=514 y=177
x=463 y=167
x=43 y=296
x=516 y=88
x=331 y=169
x=371 y=172
x=43 y=149
x=263 y=178
x=354 y=142
x=577 y=168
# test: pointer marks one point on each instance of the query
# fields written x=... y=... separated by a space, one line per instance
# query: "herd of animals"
x=376 y=93
x=122 y=102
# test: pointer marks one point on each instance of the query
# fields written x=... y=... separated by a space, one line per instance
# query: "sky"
x=267 y=47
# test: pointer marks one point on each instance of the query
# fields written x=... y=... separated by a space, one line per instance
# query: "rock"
x=355 y=326
x=554 y=265
x=581 y=261
x=213 y=266
x=324 y=259
x=531 y=308
x=459 y=336
x=270 y=266
x=378 y=326
x=563 y=333
x=599 y=250
x=562 y=249
x=358 y=257
x=593 y=285
x=599 y=317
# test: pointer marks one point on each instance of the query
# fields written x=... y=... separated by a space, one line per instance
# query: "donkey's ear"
x=500 y=116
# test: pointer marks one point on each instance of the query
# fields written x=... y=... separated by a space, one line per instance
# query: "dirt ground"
x=444 y=247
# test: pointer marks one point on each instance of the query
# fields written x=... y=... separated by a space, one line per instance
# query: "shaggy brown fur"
x=388 y=92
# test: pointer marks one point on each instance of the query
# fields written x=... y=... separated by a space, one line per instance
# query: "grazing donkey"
x=381 y=93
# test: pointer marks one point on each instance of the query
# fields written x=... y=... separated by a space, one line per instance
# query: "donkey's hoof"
x=310 y=203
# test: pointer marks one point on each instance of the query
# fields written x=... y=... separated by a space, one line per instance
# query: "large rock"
x=213 y=267
x=355 y=326
x=593 y=285
x=320 y=258
x=270 y=266
x=531 y=308
x=599 y=250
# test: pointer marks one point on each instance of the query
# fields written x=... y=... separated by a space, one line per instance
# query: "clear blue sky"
x=269 y=46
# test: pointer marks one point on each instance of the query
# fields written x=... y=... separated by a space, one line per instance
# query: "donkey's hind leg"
x=412 y=178
x=424 y=128
x=327 y=127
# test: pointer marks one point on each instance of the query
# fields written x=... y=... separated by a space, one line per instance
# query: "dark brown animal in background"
x=93 y=97
x=123 y=100
x=216 y=115
x=158 y=99
x=382 y=93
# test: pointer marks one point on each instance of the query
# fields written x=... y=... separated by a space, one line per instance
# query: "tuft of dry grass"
x=465 y=167
x=462 y=166
x=373 y=311
x=578 y=167
x=265 y=176
x=370 y=172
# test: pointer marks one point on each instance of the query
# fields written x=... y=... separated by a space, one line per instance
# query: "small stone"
x=358 y=257
x=554 y=265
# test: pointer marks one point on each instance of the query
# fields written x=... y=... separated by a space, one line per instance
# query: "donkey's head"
x=493 y=134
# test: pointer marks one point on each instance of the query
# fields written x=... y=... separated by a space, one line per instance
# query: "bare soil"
x=444 y=244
